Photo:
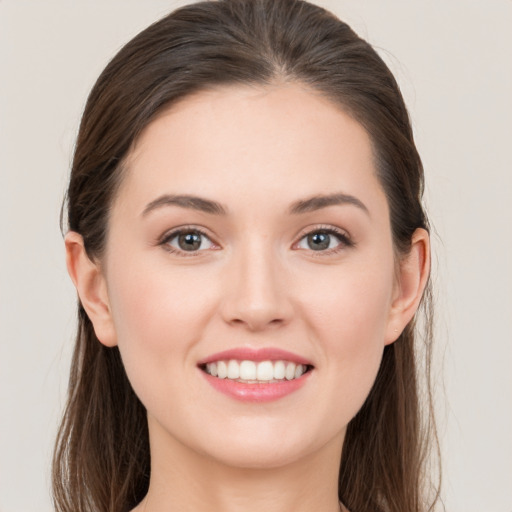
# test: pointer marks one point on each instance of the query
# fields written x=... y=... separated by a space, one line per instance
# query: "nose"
x=256 y=294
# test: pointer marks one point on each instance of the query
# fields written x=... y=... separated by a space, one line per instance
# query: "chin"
x=259 y=455
x=264 y=445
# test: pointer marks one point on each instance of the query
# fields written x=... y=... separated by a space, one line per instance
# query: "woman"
x=249 y=248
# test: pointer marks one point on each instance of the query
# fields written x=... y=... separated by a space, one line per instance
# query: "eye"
x=325 y=239
x=187 y=240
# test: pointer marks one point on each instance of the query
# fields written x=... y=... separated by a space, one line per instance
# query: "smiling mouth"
x=252 y=372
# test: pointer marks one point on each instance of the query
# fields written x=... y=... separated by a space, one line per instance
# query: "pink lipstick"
x=256 y=375
x=260 y=354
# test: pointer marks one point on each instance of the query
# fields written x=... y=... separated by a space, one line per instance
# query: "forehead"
x=243 y=143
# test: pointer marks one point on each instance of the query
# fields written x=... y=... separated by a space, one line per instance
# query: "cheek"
x=151 y=300
x=349 y=321
x=158 y=315
x=350 y=308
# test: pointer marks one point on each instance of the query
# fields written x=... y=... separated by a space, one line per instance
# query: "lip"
x=256 y=392
x=257 y=355
x=264 y=392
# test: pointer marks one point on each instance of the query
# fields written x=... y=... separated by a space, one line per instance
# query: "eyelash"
x=343 y=238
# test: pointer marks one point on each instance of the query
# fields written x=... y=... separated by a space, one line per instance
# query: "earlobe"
x=412 y=279
x=89 y=281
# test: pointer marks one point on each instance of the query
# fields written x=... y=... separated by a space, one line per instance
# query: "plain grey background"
x=453 y=62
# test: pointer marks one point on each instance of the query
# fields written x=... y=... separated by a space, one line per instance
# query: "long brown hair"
x=101 y=460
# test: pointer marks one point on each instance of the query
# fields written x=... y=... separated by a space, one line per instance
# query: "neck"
x=186 y=481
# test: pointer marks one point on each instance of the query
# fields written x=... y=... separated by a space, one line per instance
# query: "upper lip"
x=255 y=354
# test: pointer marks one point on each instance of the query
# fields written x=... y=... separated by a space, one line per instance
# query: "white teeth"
x=233 y=370
x=248 y=370
x=265 y=371
x=222 y=370
x=251 y=371
x=279 y=370
x=290 y=371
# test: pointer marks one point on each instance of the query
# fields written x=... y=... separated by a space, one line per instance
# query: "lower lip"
x=256 y=392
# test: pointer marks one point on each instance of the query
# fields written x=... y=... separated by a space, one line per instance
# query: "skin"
x=254 y=282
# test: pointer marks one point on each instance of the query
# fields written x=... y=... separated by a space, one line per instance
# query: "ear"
x=412 y=279
x=91 y=286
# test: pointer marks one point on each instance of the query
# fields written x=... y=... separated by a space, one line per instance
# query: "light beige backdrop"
x=453 y=61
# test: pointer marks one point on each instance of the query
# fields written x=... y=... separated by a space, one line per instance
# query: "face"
x=250 y=236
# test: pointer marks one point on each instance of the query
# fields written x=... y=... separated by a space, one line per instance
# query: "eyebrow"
x=323 y=201
x=310 y=204
x=186 y=201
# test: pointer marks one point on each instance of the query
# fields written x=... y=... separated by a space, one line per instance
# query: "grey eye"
x=320 y=241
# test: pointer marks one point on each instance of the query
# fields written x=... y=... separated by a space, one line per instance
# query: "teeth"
x=222 y=370
x=264 y=371
x=247 y=370
x=279 y=370
x=233 y=370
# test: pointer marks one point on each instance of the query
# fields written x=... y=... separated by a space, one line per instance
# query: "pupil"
x=318 y=241
x=189 y=241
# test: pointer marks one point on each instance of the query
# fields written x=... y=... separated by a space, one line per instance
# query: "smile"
x=252 y=372
x=256 y=375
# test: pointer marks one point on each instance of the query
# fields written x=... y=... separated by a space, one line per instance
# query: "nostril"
x=257 y=322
